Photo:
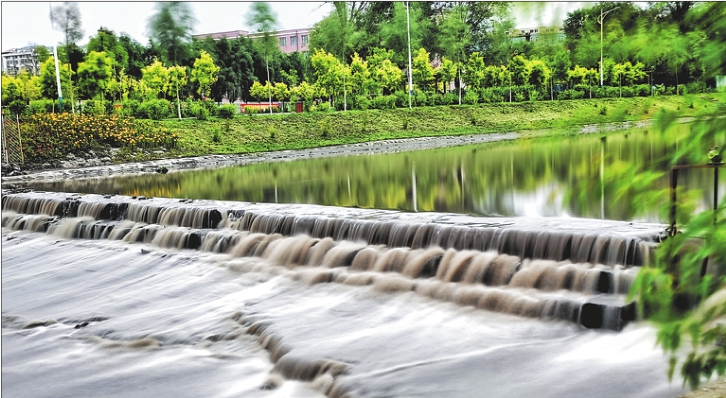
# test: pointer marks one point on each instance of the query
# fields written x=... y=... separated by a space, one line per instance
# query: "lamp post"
x=601 y=19
x=410 y=74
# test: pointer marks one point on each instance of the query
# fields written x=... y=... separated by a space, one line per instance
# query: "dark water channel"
x=550 y=177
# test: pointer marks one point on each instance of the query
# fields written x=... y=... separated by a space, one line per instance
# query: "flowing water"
x=121 y=296
x=400 y=275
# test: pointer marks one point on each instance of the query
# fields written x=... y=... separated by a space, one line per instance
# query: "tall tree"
x=67 y=19
x=263 y=20
x=455 y=37
x=205 y=72
x=94 y=74
x=171 y=29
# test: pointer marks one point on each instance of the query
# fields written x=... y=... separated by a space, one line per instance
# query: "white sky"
x=27 y=22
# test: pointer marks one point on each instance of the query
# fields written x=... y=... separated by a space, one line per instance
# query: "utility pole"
x=57 y=69
x=601 y=19
x=410 y=73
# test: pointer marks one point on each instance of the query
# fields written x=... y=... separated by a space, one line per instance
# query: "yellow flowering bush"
x=50 y=136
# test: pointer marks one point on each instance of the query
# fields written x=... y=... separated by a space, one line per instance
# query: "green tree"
x=394 y=32
x=385 y=74
x=156 y=79
x=170 y=27
x=106 y=41
x=360 y=76
x=67 y=19
x=264 y=21
x=94 y=74
x=455 y=37
x=422 y=71
x=520 y=69
x=49 y=83
x=177 y=80
x=328 y=72
x=475 y=76
x=204 y=73
x=539 y=73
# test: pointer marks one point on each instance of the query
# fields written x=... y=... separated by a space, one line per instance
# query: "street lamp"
x=410 y=74
x=602 y=17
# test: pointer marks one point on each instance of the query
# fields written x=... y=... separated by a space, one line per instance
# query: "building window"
x=293 y=40
x=283 y=41
x=304 y=39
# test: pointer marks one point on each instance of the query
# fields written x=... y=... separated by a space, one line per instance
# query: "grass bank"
x=246 y=134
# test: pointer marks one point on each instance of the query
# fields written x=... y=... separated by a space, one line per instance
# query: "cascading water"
x=334 y=278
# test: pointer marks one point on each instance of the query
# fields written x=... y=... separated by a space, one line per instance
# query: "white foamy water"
x=183 y=323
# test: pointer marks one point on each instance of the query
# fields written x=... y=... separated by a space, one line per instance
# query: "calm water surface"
x=570 y=176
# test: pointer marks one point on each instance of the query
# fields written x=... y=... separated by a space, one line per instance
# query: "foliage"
x=204 y=72
x=50 y=136
x=94 y=74
x=155 y=109
x=156 y=79
x=227 y=111
x=67 y=19
x=170 y=27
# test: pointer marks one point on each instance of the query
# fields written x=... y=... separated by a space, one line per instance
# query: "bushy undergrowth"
x=51 y=136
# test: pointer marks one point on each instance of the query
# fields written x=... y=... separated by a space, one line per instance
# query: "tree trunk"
x=269 y=91
x=178 y=104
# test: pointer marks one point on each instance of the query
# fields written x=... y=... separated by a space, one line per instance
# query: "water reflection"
x=542 y=177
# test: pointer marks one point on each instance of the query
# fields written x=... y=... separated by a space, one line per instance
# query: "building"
x=546 y=34
x=289 y=40
x=18 y=59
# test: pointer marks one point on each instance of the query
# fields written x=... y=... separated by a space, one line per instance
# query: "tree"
x=385 y=74
x=445 y=72
x=360 y=76
x=264 y=21
x=205 y=72
x=539 y=73
x=106 y=41
x=94 y=74
x=394 y=32
x=520 y=69
x=171 y=28
x=455 y=37
x=156 y=78
x=422 y=71
x=177 y=79
x=67 y=19
x=48 y=81
x=475 y=68
x=328 y=72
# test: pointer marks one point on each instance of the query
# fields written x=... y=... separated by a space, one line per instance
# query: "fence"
x=12 y=142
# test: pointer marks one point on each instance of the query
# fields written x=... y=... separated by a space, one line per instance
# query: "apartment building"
x=288 y=40
x=18 y=59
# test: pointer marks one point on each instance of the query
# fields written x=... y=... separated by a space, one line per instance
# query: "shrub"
x=628 y=91
x=493 y=94
x=210 y=106
x=42 y=106
x=94 y=107
x=570 y=94
x=227 y=111
x=470 y=98
x=363 y=102
x=401 y=98
x=323 y=107
x=156 y=109
x=51 y=136
x=641 y=90
x=130 y=108
x=250 y=111
x=384 y=102
x=450 y=99
x=419 y=99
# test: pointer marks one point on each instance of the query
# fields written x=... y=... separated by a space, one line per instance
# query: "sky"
x=25 y=23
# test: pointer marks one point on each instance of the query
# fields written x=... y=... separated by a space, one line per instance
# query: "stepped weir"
x=574 y=270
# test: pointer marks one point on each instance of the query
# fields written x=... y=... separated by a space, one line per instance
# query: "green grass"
x=245 y=134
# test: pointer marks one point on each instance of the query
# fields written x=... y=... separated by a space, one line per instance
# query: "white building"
x=17 y=59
